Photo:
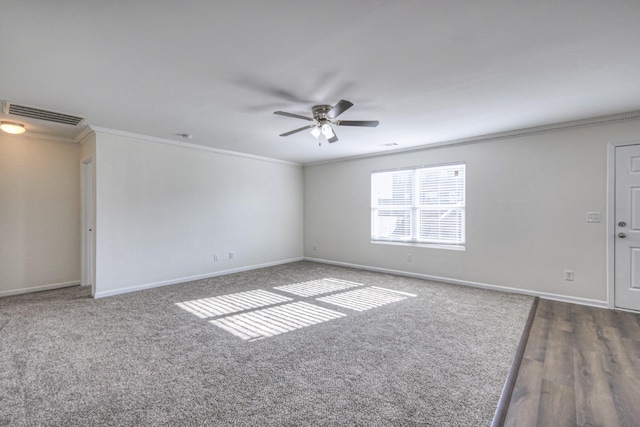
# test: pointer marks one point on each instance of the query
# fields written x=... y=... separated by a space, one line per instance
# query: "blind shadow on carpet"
x=296 y=344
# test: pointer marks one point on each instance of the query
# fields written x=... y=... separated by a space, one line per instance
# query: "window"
x=423 y=205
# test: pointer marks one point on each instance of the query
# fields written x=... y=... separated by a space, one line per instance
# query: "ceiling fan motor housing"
x=320 y=112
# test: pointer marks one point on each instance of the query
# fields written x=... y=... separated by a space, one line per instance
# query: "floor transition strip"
x=507 y=391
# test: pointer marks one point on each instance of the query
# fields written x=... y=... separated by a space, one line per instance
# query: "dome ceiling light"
x=12 y=127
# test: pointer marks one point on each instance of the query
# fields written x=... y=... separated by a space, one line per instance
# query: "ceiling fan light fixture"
x=323 y=117
x=12 y=127
x=327 y=131
x=316 y=132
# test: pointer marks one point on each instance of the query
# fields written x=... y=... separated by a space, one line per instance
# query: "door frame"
x=610 y=218
x=88 y=265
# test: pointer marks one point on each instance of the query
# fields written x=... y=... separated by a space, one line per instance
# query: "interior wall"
x=527 y=199
x=39 y=214
x=164 y=211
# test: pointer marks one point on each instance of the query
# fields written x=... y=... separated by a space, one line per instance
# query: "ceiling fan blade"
x=297 y=116
x=250 y=82
x=339 y=108
x=291 y=132
x=364 y=123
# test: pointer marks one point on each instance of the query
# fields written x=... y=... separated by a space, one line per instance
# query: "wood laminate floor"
x=581 y=367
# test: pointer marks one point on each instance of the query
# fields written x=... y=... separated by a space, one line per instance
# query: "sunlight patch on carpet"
x=317 y=287
x=272 y=321
x=365 y=299
x=232 y=303
x=258 y=314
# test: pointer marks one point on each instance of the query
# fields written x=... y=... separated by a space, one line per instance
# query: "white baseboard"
x=39 y=288
x=546 y=295
x=102 y=294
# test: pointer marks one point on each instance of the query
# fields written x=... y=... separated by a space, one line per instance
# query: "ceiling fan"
x=323 y=117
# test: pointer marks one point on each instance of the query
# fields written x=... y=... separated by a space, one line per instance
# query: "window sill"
x=421 y=245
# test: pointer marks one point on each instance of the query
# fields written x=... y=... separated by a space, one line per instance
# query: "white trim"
x=421 y=245
x=411 y=168
x=556 y=127
x=628 y=310
x=45 y=137
x=611 y=219
x=78 y=139
x=81 y=138
x=39 y=288
x=88 y=218
x=192 y=278
x=546 y=295
x=183 y=144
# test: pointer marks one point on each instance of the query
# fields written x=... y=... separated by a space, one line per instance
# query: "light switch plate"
x=593 y=216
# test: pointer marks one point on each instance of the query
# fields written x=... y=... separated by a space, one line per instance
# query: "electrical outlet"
x=568 y=275
x=409 y=257
x=315 y=247
x=230 y=255
x=215 y=257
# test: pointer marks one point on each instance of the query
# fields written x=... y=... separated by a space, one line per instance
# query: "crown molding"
x=537 y=130
x=147 y=138
x=80 y=139
x=45 y=137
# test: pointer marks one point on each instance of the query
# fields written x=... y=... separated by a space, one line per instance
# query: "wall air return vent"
x=40 y=114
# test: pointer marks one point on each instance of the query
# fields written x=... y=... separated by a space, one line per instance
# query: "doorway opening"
x=88 y=226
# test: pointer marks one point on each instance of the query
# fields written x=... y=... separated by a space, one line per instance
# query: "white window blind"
x=419 y=205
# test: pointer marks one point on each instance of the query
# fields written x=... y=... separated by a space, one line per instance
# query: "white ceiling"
x=430 y=71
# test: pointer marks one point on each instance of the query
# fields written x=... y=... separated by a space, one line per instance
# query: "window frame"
x=415 y=208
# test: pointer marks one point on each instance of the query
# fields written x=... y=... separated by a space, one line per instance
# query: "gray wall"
x=527 y=199
x=39 y=214
x=163 y=211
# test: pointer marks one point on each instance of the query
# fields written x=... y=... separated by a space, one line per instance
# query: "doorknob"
x=622 y=235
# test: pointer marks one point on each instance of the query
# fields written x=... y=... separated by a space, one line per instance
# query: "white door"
x=88 y=258
x=627 y=228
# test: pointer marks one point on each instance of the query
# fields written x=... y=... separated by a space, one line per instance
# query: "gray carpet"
x=437 y=358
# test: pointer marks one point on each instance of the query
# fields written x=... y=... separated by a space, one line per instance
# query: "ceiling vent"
x=37 y=113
